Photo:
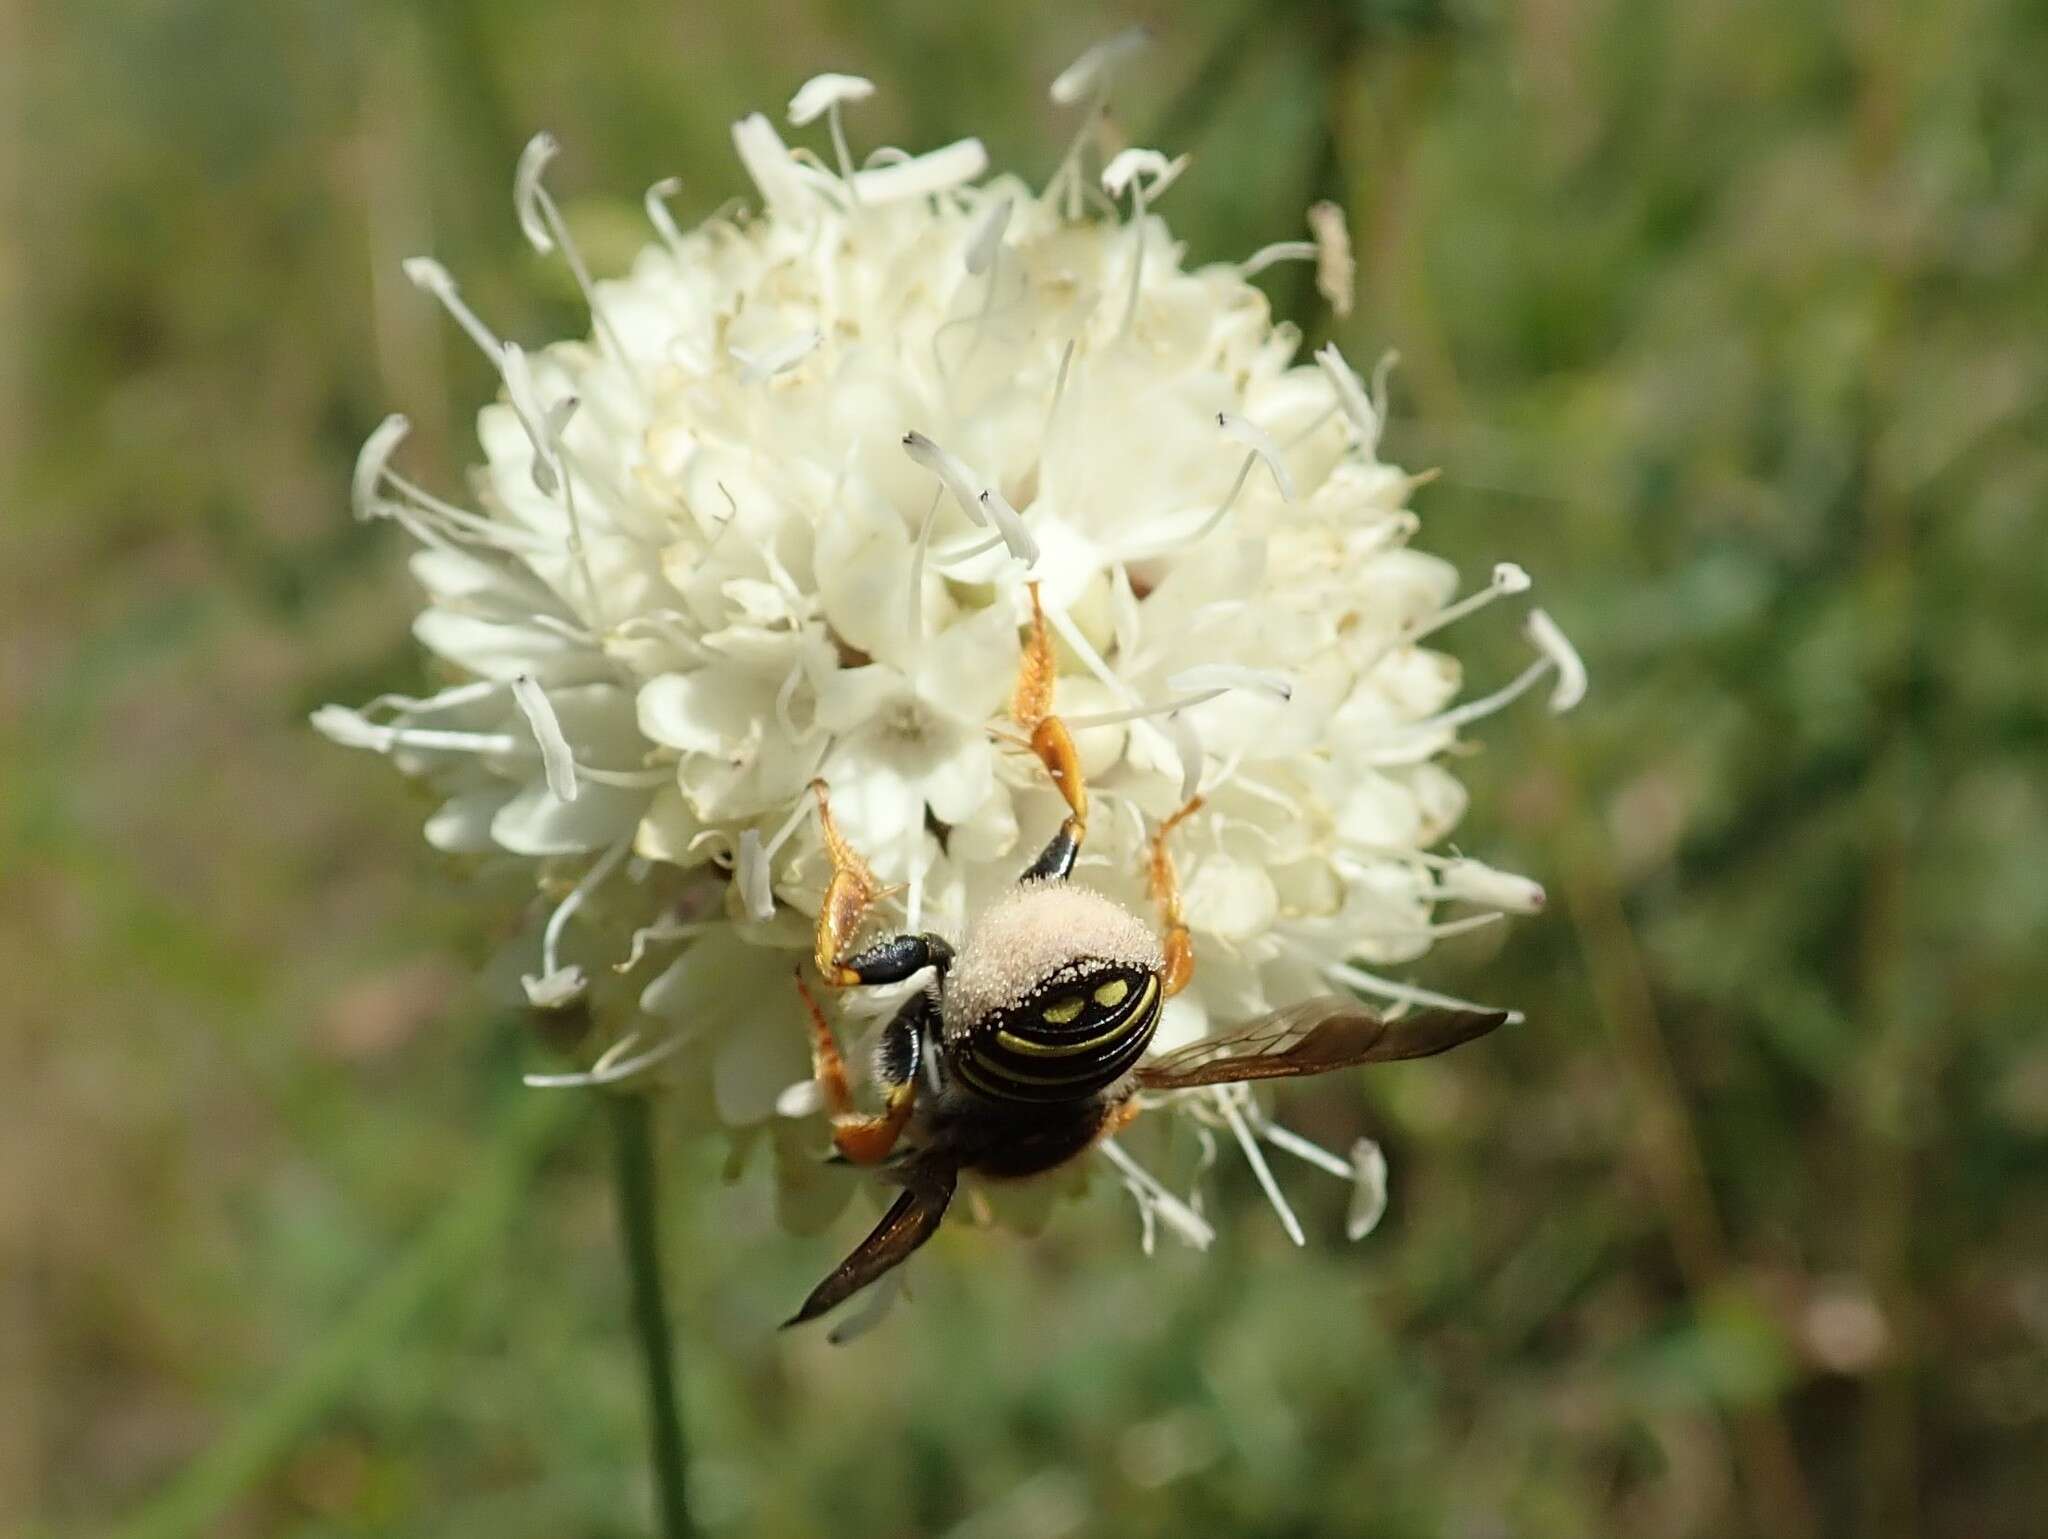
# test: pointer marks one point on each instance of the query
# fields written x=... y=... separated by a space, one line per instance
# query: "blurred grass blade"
x=452 y=1247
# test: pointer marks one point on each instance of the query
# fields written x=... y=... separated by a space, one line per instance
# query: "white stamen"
x=554 y=991
x=527 y=191
x=1429 y=728
x=918 y=553
x=988 y=236
x=1141 y=712
x=661 y=932
x=1563 y=656
x=1123 y=173
x=635 y=780
x=759 y=364
x=1357 y=407
x=1369 y=1193
x=656 y=203
x=1097 y=66
x=537 y=418
x=1187 y=743
x=1260 y=442
x=429 y=276
x=558 y=921
x=1474 y=881
x=1508 y=579
x=959 y=480
x=920 y=176
x=445 y=700
x=1077 y=640
x=797 y=816
x=1381 y=373
x=1010 y=525
x=1336 y=272
x=750 y=873
x=1182 y=1219
x=1286 y=1138
x=339 y=724
x=822 y=92
x=544 y=226
x=769 y=164
x=371 y=461
x=1216 y=676
x=558 y=765
x=1407 y=993
x=461 y=524
x=1279 y=251
x=1256 y=1158
x=827 y=94
x=612 y=1068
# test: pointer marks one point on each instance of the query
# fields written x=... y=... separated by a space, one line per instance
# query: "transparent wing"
x=1313 y=1037
x=911 y=1220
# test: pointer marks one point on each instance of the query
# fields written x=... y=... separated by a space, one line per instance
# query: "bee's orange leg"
x=1031 y=705
x=863 y=1138
x=849 y=895
x=1164 y=882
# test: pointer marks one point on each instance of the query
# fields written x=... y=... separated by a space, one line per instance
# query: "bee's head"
x=1054 y=995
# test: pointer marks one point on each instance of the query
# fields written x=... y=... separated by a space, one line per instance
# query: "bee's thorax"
x=1030 y=934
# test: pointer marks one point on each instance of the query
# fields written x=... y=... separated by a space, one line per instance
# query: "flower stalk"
x=638 y=1196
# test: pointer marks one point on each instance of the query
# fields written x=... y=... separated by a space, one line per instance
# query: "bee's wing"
x=911 y=1220
x=1313 y=1037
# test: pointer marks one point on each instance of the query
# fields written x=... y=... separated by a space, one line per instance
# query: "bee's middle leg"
x=865 y=1138
x=1031 y=705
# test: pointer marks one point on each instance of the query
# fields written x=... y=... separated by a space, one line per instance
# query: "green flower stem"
x=640 y=1232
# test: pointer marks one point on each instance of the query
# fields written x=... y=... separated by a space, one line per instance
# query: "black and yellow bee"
x=1027 y=1045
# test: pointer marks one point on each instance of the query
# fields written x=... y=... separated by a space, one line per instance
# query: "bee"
x=1026 y=1046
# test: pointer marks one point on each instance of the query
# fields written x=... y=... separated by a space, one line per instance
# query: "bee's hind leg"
x=1031 y=705
x=1164 y=883
x=868 y=1138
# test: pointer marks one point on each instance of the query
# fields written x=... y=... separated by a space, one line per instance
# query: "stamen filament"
x=1279 y=251
x=1257 y=1160
x=427 y=274
x=1182 y=1219
x=611 y=1068
x=1507 y=578
x=558 y=921
x=1406 y=993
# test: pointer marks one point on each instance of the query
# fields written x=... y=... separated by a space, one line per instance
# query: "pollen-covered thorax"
x=1033 y=936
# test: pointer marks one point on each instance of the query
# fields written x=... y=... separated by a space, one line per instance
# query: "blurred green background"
x=1728 y=320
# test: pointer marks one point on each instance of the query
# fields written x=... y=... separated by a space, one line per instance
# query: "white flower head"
x=773 y=520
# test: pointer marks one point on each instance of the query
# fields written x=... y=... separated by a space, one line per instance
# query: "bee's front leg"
x=1164 y=883
x=850 y=893
x=1031 y=705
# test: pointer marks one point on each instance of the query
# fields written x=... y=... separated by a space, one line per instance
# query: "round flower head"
x=774 y=519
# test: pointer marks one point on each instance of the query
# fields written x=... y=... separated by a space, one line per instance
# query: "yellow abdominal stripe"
x=1111 y=993
x=1065 y=1010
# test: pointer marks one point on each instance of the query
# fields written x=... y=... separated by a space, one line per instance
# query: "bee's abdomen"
x=1072 y=1035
